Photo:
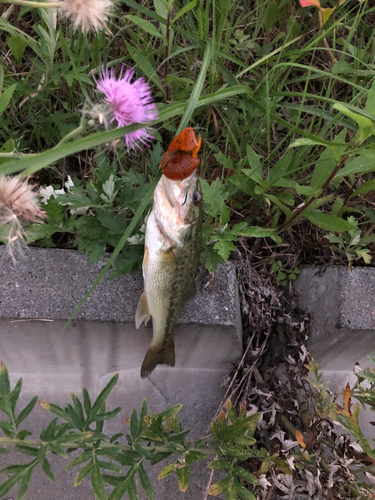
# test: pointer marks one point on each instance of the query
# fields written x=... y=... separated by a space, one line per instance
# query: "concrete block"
x=342 y=307
x=38 y=295
x=357 y=295
x=49 y=283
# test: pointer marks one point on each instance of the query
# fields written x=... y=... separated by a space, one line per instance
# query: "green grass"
x=251 y=77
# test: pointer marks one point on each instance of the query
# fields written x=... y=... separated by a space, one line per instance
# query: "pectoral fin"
x=158 y=355
x=143 y=312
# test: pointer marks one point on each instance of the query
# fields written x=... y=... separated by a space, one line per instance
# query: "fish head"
x=184 y=198
x=177 y=208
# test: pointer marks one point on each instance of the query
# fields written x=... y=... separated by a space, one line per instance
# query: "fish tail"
x=158 y=355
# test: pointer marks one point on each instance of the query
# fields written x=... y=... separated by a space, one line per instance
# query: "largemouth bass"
x=172 y=249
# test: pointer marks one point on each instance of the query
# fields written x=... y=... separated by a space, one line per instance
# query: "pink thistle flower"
x=127 y=103
x=18 y=204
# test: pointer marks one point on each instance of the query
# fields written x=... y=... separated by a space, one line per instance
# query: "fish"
x=173 y=242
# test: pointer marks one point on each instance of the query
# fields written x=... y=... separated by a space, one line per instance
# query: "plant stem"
x=77 y=131
x=167 y=54
x=35 y=5
x=287 y=224
x=15 y=154
x=159 y=449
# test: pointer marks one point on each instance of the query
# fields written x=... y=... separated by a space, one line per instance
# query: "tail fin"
x=158 y=355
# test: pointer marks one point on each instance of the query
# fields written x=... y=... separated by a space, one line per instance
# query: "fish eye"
x=197 y=197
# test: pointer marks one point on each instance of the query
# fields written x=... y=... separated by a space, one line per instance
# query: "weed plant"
x=284 y=103
x=284 y=98
x=114 y=462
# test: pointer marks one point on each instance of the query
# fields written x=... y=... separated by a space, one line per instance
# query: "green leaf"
x=107 y=415
x=27 y=450
x=244 y=493
x=6 y=97
x=197 y=89
x=24 y=484
x=85 y=471
x=161 y=7
x=307 y=190
x=109 y=466
x=17 y=45
x=189 y=6
x=168 y=469
x=218 y=464
x=364 y=188
x=278 y=203
x=97 y=483
x=84 y=457
x=78 y=407
x=23 y=434
x=183 y=474
x=224 y=248
x=75 y=417
x=194 y=456
x=132 y=490
x=7 y=428
x=9 y=483
x=246 y=475
x=55 y=409
x=145 y=66
x=145 y=482
x=100 y=400
x=210 y=258
x=323 y=168
x=360 y=164
x=134 y=424
x=58 y=450
x=47 y=470
x=255 y=172
x=11 y=469
x=4 y=380
x=219 y=487
x=15 y=394
x=305 y=142
x=271 y=13
x=370 y=103
x=143 y=413
x=213 y=195
x=86 y=401
x=328 y=222
x=145 y=25
x=257 y=232
x=26 y=411
x=366 y=126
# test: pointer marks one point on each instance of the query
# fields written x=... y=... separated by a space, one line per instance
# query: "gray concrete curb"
x=38 y=295
x=342 y=306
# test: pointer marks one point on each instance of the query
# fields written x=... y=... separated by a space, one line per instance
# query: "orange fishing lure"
x=180 y=161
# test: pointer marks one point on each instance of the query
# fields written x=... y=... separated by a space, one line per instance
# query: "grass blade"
x=197 y=90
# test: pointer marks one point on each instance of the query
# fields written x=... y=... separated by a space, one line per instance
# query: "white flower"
x=69 y=183
x=137 y=239
x=87 y=14
x=47 y=192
